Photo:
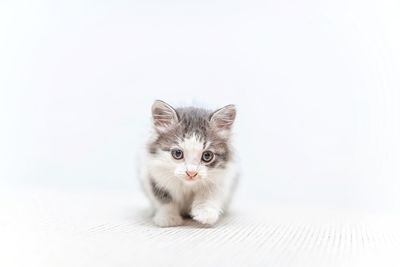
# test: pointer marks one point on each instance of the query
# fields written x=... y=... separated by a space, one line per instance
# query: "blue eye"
x=177 y=154
x=207 y=156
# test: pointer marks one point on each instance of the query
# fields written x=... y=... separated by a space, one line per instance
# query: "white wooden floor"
x=59 y=228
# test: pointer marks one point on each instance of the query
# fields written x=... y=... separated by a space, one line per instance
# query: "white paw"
x=167 y=220
x=206 y=215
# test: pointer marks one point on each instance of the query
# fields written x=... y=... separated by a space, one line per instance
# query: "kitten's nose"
x=191 y=174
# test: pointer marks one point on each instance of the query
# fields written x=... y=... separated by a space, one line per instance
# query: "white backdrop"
x=316 y=83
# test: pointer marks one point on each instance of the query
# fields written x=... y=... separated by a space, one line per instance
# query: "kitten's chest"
x=187 y=201
x=184 y=195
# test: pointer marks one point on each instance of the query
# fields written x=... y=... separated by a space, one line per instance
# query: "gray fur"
x=222 y=155
x=197 y=121
x=194 y=121
x=160 y=193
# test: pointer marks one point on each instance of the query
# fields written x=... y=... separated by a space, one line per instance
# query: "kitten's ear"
x=164 y=116
x=223 y=118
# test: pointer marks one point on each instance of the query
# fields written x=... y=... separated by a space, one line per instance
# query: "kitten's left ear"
x=164 y=116
x=223 y=118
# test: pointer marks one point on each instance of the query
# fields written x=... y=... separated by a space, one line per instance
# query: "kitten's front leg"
x=167 y=211
x=207 y=208
x=167 y=215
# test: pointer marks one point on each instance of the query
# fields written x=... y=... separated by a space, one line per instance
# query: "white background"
x=316 y=83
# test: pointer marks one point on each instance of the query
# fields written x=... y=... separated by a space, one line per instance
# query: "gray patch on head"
x=152 y=149
x=194 y=121
x=161 y=144
x=164 y=141
x=160 y=193
x=222 y=154
x=191 y=121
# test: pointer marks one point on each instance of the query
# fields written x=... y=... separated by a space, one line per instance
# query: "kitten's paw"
x=206 y=215
x=167 y=220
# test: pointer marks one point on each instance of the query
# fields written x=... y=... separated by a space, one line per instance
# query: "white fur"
x=204 y=198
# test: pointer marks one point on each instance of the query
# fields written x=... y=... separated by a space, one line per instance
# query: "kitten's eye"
x=207 y=156
x=177 y=154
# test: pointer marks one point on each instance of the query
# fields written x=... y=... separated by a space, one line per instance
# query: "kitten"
x=189 y=168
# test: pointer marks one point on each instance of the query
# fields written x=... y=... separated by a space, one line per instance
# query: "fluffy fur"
x=189 y=186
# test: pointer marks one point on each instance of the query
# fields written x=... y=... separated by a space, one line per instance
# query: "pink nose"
x=191 y=174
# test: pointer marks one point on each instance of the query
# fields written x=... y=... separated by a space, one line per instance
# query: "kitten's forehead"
x=192 y=143
x=194 y=121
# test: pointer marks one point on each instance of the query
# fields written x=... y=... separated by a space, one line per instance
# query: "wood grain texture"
x=56 y=228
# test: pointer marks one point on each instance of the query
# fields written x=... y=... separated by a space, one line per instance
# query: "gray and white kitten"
x=189 y=166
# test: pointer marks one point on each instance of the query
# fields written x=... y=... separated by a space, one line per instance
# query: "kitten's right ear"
x=164 y=116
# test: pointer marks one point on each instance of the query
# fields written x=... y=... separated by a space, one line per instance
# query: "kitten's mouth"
x=191 y=179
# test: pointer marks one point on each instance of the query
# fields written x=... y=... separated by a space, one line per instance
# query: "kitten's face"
x=192 y=144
